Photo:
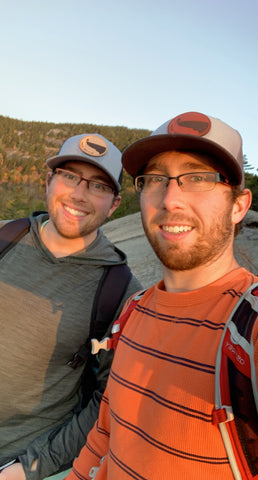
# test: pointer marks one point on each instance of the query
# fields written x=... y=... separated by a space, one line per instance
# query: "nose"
x=173 y=197
x=80 y=191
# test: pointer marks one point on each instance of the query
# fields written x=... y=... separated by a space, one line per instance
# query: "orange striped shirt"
x=155 y=420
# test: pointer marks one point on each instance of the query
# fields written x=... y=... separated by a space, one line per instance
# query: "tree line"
x=24 y=147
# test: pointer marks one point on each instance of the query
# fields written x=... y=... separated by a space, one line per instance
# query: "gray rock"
x=246 y=242
x=251 y=219
x=127 y=233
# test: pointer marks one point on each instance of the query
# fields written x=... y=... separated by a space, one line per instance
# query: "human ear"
x=241 y=205
x=115 y=205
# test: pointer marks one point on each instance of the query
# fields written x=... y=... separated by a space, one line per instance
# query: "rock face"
x=128 y=235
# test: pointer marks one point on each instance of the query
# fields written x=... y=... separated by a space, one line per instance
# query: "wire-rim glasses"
x=153 y=183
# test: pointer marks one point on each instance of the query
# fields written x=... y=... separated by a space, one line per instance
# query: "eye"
x=198 y=178
x=96 y=186
x=149 y=182
x=153 y=180
x=101 y=187
x=69 y=175
x=157 y=179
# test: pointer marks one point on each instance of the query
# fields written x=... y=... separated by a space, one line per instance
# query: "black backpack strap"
x=109 y=294
x=242 y=390
x=236 y=397
x=11 y=233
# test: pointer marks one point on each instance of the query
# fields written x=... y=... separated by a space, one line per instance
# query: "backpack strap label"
x=109 y=343
x=115 y=279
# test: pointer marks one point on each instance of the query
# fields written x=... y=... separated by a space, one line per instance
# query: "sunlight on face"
x=187 y=229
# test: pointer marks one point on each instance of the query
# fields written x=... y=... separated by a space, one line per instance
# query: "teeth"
x=77 y=213
x=176 y=228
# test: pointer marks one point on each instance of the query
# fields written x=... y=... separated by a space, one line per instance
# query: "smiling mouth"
x=76 y=213
x=176 y=228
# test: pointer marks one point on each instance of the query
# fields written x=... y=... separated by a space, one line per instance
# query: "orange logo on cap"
x=191 y=123
x=93 y=145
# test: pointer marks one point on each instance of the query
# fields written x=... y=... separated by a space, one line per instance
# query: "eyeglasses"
x=153 y=183
x=72 y=180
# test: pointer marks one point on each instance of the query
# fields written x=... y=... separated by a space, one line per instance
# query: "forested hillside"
x=24 y=147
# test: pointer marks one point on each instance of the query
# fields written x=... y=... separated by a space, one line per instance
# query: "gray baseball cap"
x=193 y=132
x=94 y=149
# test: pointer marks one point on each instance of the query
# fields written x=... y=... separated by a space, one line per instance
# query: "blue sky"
x=135 y=63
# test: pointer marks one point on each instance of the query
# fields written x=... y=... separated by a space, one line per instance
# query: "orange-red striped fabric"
x=155 y=420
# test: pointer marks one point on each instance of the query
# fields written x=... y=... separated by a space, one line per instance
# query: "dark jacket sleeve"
x=56 y=449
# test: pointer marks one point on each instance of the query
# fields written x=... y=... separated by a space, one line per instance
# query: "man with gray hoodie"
x=48 y=283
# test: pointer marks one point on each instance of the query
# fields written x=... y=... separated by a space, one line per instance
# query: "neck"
x=188 y=280
x=61 y=246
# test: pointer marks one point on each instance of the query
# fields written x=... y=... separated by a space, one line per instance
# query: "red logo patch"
x=191 y=123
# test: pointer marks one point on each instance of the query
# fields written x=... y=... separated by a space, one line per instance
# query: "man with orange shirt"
x=155 y=420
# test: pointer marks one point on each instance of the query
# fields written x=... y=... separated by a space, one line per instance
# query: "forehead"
x=86 y=170
x=181 y=161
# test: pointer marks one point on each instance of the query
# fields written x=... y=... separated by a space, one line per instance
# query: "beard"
x=174 y=256
x=76 y=229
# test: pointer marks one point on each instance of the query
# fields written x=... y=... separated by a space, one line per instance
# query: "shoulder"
x=134 y=286
x=242 y=278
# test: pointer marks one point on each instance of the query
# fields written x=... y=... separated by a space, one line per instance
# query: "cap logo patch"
x=93 y=145
x=191 y=123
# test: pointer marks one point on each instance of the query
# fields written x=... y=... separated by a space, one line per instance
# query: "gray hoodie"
x=45 y=309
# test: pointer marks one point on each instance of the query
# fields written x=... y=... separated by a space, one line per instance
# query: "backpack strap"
x=109 y=343
x=236 y=397
x=109 y=294
x=11 y=233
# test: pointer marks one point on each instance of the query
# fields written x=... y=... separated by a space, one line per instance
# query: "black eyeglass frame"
x=218 y=178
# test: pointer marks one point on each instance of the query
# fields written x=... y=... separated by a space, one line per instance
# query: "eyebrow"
x=196 y=166
x=185 y=166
